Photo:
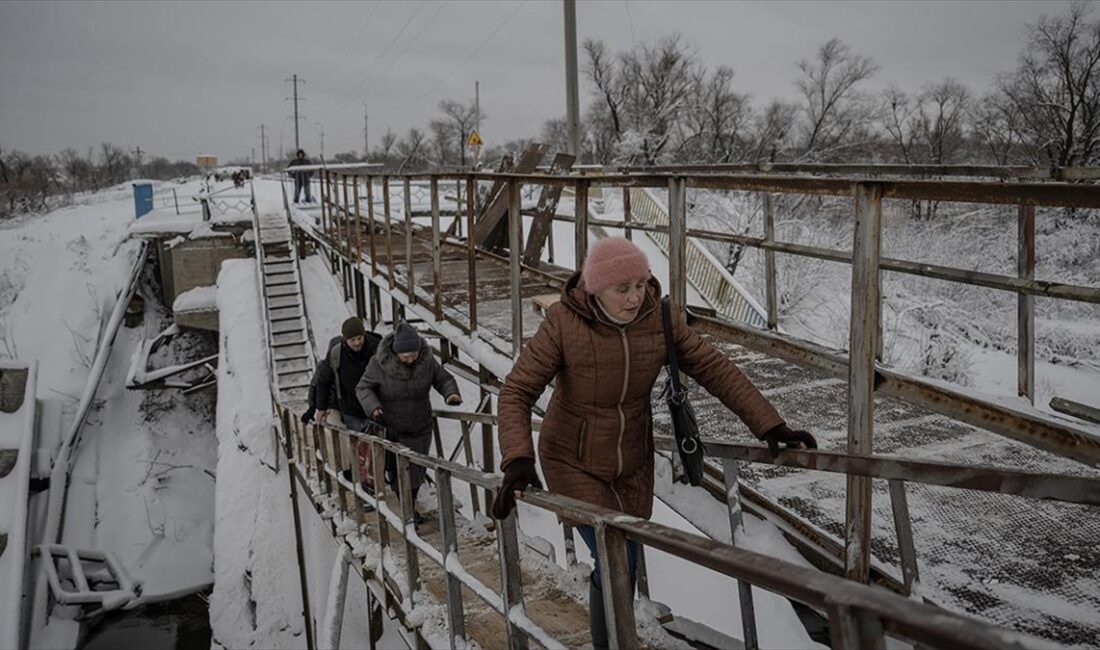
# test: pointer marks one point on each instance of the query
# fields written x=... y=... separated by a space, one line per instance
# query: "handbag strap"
x=679 y=394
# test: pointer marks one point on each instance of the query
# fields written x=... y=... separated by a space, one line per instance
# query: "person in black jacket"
x=340 y=371
x=301 y=178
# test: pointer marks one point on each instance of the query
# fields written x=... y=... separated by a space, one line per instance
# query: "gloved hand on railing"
x=519 y=475
x=791 y=439
x=307 y=417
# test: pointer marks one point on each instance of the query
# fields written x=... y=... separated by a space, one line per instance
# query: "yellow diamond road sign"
x=474 y=140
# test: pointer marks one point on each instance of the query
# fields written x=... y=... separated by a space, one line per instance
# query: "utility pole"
x=366 y=140
x=263 y=150
x=477 y=121
x=294 y=80
x=322 y=131
x=572 y=96
x=137 y=155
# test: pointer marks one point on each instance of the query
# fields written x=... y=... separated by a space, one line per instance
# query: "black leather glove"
x=307 y=417
x=791 y=439
x=519 y=474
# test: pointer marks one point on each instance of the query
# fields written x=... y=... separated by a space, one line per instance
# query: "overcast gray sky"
x=183 y=78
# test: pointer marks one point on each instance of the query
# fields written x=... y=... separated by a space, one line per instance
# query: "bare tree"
x=389 y=140
x=834 y=109
x=714 y=125
x=899 y=115
x=113 y=163
x=602 y=71
x=942 y=110
x=463 y=119
x=772 y=130
x=1056 y=88
x=411 y=149
x=998 y=127
x=442 y=140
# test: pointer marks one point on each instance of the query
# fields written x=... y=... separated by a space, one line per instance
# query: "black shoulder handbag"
x=684 y=424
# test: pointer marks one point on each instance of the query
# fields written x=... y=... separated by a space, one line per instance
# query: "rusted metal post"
x=293 y=467
x=370 y=225
x=731 y=472
x=437 y=254
x=488 y=437
x=378 y=465
x=861 y=373
x=410 y=283
x=618 y=596
x=769 y=263
x=344 y=216
x=468 y=455
x=471 y=254
x=1025 y=306
x=628 y=215
x=851 y=628
x=389 y=230
x=510 y=579
x=580 y=223
x=321 y=185
x=904 y=528
x=408 y=509
x=515 y=250
x=677 y=243
x=455 y=618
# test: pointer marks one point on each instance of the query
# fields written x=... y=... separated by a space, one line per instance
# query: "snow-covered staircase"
x=704 y=272
x=291 y=352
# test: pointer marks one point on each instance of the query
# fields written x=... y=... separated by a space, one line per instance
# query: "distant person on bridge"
x=301 y=178
x=396 y=390
x=604 y=343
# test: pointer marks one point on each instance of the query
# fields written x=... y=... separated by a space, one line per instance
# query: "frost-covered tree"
x=943 y=108
x=463 y=119
x=835 y=113
x=1056 y=88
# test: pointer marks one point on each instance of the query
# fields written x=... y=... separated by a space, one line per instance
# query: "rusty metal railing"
x=859 y=615
x=346 y=227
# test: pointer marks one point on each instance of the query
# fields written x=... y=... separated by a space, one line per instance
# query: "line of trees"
x=657 y=103
x=34 y=183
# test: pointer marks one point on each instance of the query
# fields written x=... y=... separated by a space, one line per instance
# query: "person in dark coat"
x=338 y=375
x=301 y=178
x=333 y=387
x=396 y=389
x=604 y=346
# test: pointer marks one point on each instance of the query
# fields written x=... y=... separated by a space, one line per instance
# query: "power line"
x=467 y=59
x=414 y=38
x=362 y=28
x=378 y=61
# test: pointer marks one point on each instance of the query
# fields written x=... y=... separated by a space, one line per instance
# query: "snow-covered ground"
x=143 y=479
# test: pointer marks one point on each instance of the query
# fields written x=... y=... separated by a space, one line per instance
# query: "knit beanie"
x=352 y=327
x=613 y=261
x=405 y=339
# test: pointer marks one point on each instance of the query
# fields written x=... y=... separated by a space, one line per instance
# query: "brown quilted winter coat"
x=596 y=441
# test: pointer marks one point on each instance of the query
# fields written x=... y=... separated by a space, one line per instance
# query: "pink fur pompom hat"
x=613 y=261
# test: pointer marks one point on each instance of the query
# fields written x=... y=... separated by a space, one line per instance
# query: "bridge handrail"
x=859 y=615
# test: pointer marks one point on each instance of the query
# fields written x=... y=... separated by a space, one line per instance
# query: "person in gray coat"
x=395 y=390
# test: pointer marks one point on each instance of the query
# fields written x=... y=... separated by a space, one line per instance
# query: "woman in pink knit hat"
x=604 y=343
